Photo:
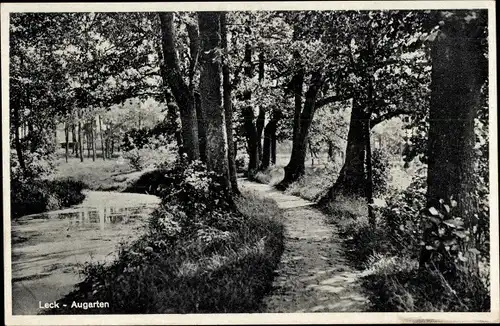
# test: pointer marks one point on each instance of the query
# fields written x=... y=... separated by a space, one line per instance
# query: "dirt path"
x=313 y=275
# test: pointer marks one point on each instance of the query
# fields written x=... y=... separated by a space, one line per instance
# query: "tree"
x=269 y=148
x=319 y=73
x=172 y=77
x=210 y=94
x=387 y=77
x=459 y=70
x=228 y=106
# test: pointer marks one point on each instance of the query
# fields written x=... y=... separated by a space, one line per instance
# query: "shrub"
x=32 y=196
x=271 y=176
x=68 y=191
x=202 y=252
x=400 y=286
x=241 y=162
x=401 y=216
x=150 y=155
x=315 y=182
x=388 y=253
x=380 y=170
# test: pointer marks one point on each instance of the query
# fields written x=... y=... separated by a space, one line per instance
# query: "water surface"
x=48 y=249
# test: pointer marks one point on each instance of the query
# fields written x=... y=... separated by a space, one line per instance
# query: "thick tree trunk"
x=228 y=110
x=458 y=67
x=351 y=179
x=295 y=168
x=210 y=92
x=171 y=74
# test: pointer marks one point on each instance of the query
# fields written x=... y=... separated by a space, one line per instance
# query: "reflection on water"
x=48 y=247
x=102 y=216
x=90 y=217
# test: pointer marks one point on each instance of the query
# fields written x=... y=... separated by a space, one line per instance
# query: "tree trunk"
x=66 y=140
x=102 y=139
x=228 y=110
x=171 y=74
x=73 y=139
x=273 y=148
x=109 y=140
x=172 y=116
x=80 y=141
x=369 y=179
x=252 y=141
x=330 y=151
x=249 y=125
x=266 y=150
x=87 y=138
x=92 y=130
x=259 y=125
x=295 y=168
x=458 y=72
x=210 y=93
x=351 y=179
x=202 y=134
x=261 y=117
x=17 y=138
x=269 y=149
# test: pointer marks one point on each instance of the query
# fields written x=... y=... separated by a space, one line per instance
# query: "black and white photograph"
x=250 y=162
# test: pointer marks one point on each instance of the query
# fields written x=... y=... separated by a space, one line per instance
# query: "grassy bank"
x=314 y=183
x=195 y=257
x=389 y=253
x=109 y=175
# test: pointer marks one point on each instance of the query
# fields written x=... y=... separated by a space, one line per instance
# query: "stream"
x=48 y=249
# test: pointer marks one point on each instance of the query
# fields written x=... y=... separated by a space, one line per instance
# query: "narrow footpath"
x=313 y=275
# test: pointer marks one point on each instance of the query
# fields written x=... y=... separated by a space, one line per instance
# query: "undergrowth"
x=203 y=252
x=389 y=256
x=32 y=196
